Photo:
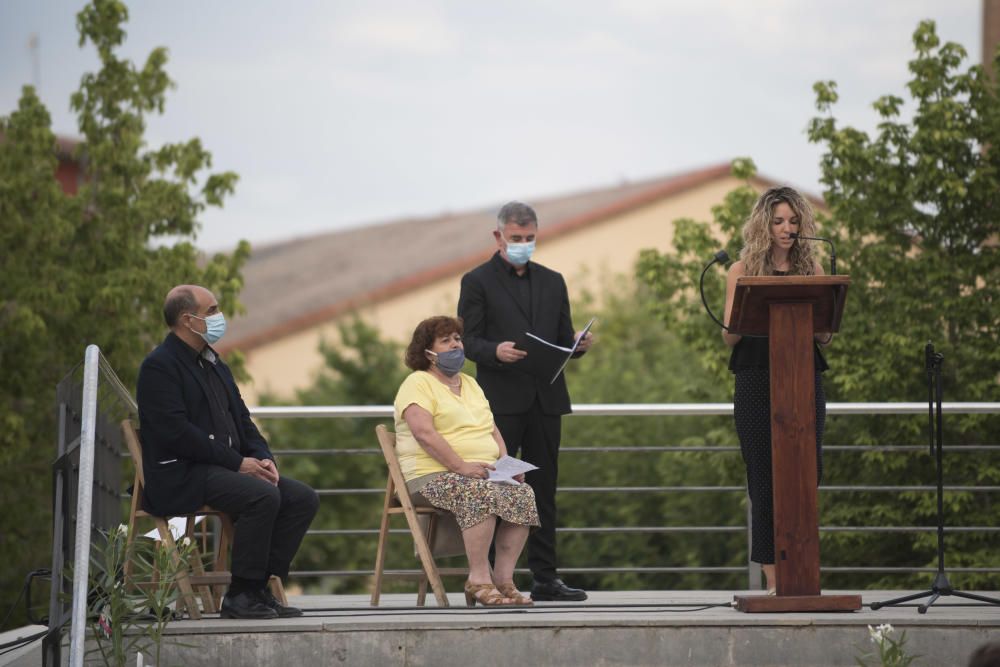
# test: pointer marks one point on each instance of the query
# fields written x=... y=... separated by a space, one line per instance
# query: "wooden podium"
x=789 y=310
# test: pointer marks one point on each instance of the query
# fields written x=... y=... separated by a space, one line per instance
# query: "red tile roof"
x=297 y=284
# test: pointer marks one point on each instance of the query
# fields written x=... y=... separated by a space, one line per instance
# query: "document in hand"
x=507 y=467
x=546 y=360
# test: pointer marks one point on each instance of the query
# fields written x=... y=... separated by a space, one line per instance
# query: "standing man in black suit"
x=201 y=448
x=499 y=301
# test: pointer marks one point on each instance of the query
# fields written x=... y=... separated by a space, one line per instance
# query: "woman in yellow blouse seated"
x=447 y=442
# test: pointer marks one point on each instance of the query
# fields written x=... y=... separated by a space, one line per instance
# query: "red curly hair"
x=424 y=336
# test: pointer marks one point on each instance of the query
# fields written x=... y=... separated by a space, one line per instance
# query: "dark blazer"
x=183 y=432
x=492 y=315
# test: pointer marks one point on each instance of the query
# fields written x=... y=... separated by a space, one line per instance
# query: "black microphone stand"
x=833 y=250
x=941 y=585
x=720 y=257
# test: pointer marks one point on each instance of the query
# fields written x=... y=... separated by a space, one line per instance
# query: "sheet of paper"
x=177 y=526
x=572 y=350
x=507 y=467
x=545 y=342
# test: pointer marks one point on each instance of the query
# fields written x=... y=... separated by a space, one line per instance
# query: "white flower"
x=186 y=542
x=881 y=633
x=123 y=529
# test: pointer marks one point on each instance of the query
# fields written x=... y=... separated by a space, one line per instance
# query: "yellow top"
x=465 y=421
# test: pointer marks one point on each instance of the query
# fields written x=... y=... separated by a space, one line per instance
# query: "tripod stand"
x=941 y=585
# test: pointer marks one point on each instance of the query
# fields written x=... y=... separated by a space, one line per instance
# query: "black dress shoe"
x=247 y=604
x=267 y=597
x=556 y=591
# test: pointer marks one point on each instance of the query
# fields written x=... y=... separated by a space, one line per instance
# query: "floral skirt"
x=472 y=500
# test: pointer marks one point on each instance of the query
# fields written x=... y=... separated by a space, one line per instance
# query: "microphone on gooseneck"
x=720 y=257
x=833 y=251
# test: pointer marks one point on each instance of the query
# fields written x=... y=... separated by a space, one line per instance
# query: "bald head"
x=185 y=299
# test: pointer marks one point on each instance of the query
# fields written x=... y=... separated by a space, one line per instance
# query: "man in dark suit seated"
x=499 y=301
x=201 y=448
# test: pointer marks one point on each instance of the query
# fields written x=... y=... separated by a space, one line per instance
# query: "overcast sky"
x=346 y=113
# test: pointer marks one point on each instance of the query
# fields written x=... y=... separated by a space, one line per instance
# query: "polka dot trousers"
x=752 y=411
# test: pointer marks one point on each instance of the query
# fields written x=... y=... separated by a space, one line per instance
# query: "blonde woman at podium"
x=769 y=250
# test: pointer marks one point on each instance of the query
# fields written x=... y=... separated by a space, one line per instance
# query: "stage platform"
x=611 y=628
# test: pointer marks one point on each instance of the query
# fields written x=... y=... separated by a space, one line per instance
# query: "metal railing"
x=87 y=490
x=665 y=410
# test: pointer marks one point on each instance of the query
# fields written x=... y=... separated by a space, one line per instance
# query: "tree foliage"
x=916 y=211
x=673 y=277
x=89 y=268
x=363 y=369
x=915 y=214
x=637 y=360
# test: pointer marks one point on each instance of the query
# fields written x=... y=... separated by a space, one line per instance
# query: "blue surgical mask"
x=450 y=362
x=519 y=253
x=215 y=327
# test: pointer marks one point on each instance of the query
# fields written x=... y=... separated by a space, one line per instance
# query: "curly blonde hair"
x=756 y=252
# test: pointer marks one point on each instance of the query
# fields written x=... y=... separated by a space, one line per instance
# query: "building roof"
x=296 y=284
x=65 y=146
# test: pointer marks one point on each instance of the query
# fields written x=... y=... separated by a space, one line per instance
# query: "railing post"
x=85 y=493
x=52 y=644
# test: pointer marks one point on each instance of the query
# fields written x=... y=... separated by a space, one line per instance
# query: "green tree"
x=673 y=277
x=915 y=210
x=638 y=360
x=363 y=369
x=914 y=213
x=89 y=268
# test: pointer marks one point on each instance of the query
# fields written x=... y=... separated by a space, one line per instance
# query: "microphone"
x=833 y=251
x=720 y=257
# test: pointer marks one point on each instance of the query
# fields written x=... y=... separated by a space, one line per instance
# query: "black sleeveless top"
x=754 y=353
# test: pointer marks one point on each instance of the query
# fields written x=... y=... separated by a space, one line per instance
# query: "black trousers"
x=752 y=411
x=270 y=521
x=534 y=437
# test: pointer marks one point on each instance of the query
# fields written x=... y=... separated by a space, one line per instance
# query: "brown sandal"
x=509 y=590
x=491 y=598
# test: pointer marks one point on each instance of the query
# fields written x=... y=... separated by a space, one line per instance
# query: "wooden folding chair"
x=398 y=501
x=210 y=585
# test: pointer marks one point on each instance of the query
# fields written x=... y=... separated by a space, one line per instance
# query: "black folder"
x=546 y=360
